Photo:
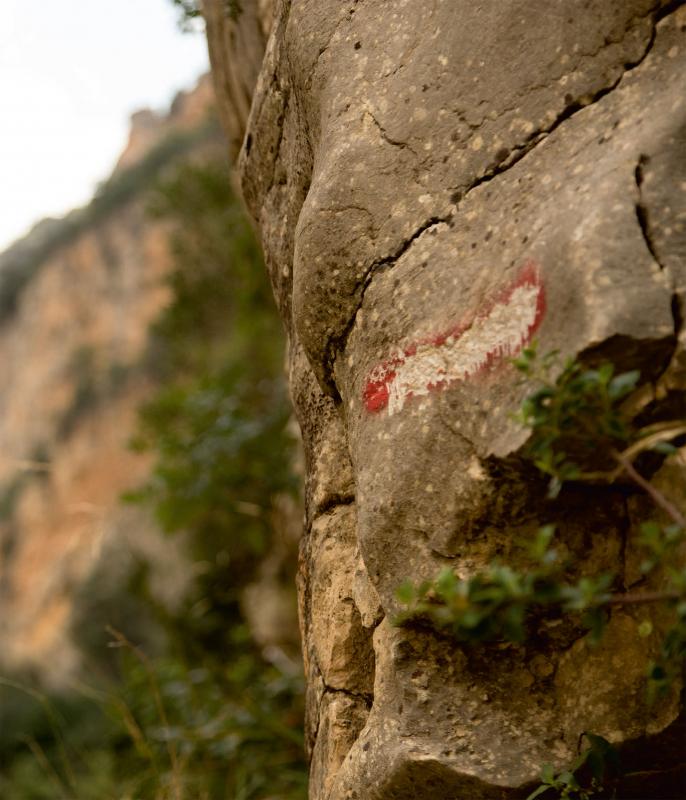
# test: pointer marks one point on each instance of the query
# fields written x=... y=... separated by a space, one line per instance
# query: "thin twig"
x=658 y=498
x=122 y=641
x=44 y=762
x=652 y=435
x=54 y=720
x=639 y=598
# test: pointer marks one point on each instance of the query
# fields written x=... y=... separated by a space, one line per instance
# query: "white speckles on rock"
x=569 y=203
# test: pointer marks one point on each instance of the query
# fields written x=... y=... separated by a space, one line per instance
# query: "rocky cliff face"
x=435 y=185
x=78 y=297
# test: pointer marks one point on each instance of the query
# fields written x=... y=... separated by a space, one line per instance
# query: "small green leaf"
x=541 y=544
x=554 y=488
x=650 y=529
x=595 y=622
x=605 y=372
x=567 y=778
x=647 y=565
x=665 y=448
x=622 y=384
x=405 y=593
x=446 y=582
x=645 y=628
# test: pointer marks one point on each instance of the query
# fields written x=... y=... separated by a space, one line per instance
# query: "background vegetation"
x=584 y=429
x=178 y=701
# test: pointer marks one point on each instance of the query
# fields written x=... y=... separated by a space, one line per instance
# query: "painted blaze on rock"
x=498 y=331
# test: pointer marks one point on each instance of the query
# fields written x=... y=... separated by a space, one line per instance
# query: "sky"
x=71 y=74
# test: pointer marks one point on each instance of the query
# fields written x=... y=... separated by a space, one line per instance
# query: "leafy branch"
x=581 y=426
x=582 y=430
x=597 y=765
x=499 y=603
x=573 y=419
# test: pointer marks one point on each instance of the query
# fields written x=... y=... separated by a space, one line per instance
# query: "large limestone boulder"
x=437 y=183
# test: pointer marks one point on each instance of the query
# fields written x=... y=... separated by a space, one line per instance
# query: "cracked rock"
x=437 y=183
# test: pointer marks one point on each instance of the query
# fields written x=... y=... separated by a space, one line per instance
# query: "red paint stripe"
x=376 y=391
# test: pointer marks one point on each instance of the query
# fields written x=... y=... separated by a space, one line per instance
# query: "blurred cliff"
x=77 y=298
x=141 y=360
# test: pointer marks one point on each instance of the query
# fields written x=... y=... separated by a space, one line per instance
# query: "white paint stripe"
x=499 y=334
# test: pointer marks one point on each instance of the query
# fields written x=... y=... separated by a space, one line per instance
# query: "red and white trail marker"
x=500 y=329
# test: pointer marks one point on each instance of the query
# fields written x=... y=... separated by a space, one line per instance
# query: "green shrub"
x=184 y=705
x=581 y=430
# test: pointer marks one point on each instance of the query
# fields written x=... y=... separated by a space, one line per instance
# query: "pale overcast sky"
x=71 y=73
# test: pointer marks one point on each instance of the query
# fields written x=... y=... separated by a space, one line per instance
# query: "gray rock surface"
x=437 y=182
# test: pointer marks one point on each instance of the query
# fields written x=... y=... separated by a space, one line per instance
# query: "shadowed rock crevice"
x=332 y=502
x=285 y=95
x=337 y=345
x=677 y=315
x=365 y=697
x=642 y=210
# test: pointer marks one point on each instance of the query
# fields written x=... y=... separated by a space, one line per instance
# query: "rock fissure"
x=327 y=689
x=281 y=122
x=351 y=207
x=666 y=10
x=337 y=344
x=347 y=17
x=367 y=699
x=331 y=503
x=520 y=151
x=458 y=435
x=642 y=213
x=386 y=137
x=643 y=217
x=677 y=315
x=656 y=13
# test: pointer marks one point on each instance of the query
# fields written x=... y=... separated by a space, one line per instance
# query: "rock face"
x=188 y=112
x=236 y=33
x=73 y=343
x=436 y=184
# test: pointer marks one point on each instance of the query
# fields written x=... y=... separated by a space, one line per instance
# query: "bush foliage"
x=582 y=429
x=179 y=702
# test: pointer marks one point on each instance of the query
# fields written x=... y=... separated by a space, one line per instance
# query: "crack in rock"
x=367 y=699
x=347 y=17
x=386 y=137
x=677 y=315
x=331 y=503
x=642 y=213
x=337 y=344
x=643 y=217
x=520 y=151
